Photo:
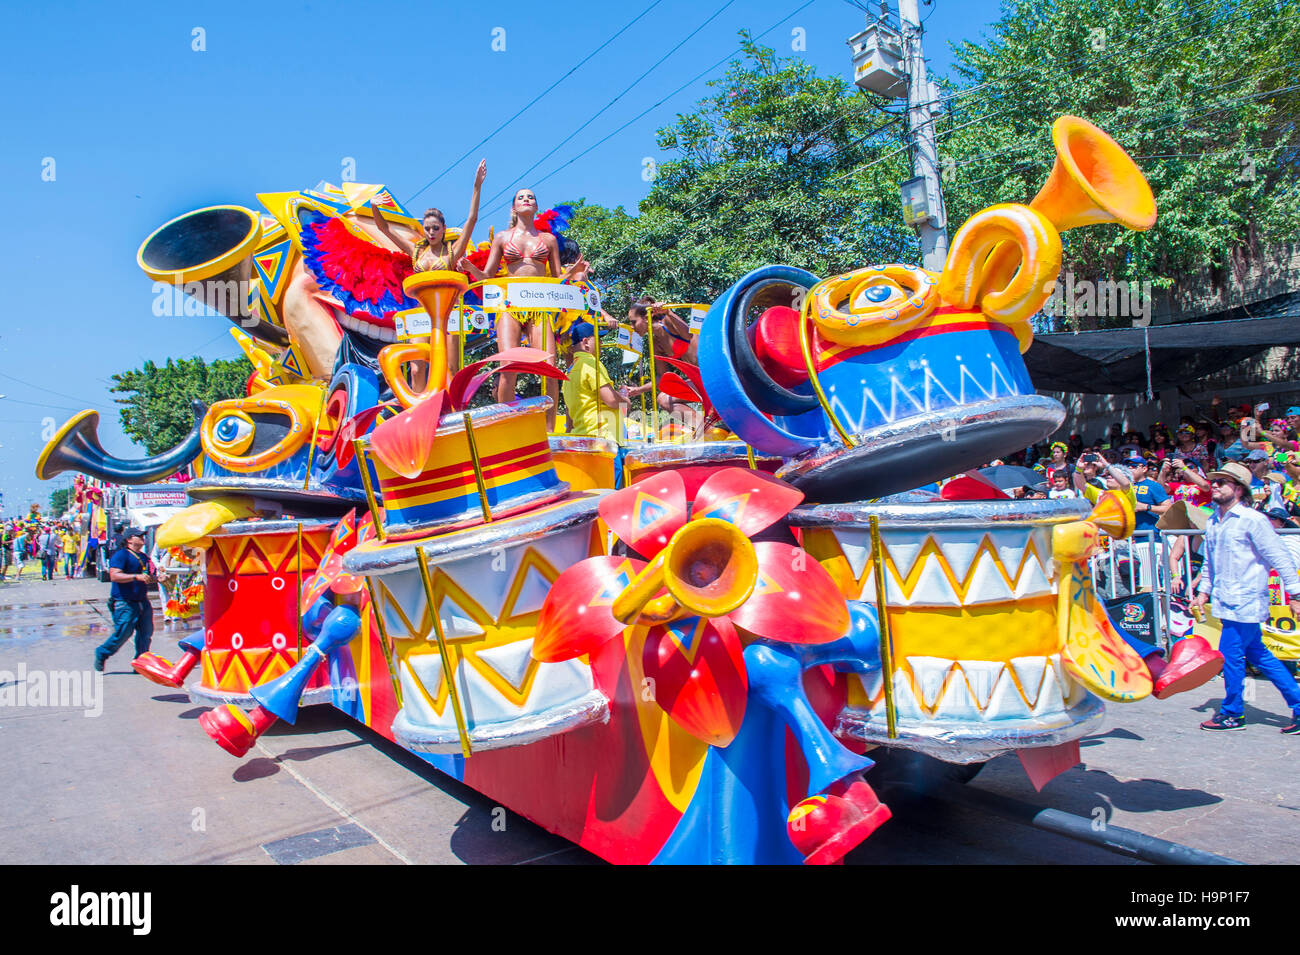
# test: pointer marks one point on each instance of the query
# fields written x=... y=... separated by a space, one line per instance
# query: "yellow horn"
x=709 y=569
x=437 y=292
x=1027 y=236
x=1113 y=513
x=1093 y=181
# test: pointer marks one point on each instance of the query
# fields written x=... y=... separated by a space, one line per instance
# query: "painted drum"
x=695 y=462
x=250 y=620
x=971 y=589
x=487 y=585
x=517 y=470
x=915 y=401
x=585 y=464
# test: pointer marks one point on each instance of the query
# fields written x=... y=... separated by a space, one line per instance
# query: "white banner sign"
x=171 y=496
x=697 y=319
x=550 y=296
x=413 y=323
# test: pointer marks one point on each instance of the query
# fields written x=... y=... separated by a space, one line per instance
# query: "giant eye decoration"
x=251 y=434
x=233 y=432
x=872 y=305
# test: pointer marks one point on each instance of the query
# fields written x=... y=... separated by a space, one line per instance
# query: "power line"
x=42 y=388
x=594 y=116
x=669 y=96
x=534 y=100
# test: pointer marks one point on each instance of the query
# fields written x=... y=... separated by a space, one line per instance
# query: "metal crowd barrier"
x=1146 y=574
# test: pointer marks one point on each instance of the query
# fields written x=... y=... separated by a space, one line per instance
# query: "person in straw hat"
x=1240 y=547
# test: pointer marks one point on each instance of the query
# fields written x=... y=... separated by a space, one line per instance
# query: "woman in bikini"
x=527 y=253
x=433 y=252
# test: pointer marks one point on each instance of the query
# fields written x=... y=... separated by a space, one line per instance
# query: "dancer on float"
x=659 y=327
x=527 y=253
x=433 y=252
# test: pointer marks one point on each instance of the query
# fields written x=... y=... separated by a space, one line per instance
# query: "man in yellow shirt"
x=70 y=547
x=594 y=405
x=1089 y=466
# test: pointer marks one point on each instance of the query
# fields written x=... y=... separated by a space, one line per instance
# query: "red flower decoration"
x=694 y=654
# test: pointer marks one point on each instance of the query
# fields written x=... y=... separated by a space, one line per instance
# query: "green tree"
x=1201 y=93
x=156 y=410
x=780 y=165
x=60 y=499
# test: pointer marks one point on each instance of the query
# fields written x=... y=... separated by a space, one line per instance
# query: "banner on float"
x=1281 y=633
x=629 y=341
x=1134 y=615
x=538 y=296
x=168 y=496
x=697 y=320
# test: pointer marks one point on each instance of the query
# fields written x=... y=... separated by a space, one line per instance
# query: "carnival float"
x=684 y=652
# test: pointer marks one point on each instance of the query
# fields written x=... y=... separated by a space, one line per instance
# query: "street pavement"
x=140 y=782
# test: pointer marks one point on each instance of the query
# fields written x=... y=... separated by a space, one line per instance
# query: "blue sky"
x=141 y=127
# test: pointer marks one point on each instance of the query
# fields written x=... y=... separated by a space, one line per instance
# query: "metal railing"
x=1150 y=570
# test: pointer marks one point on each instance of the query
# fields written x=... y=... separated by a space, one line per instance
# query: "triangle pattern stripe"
x=511 y=661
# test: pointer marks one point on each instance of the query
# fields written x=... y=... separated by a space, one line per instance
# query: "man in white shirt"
x=1240 y=546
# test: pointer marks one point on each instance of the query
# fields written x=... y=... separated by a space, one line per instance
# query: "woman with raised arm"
x=527 y=253
x=434 y=253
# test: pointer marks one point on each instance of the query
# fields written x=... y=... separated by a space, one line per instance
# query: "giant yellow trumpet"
x=1006 y=259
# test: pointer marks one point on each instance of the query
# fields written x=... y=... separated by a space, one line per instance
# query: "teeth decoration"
x=361 y=327
x=977 y=690
x=922 y=570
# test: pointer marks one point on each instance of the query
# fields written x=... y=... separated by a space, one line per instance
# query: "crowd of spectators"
x=53 y=545
x=1167 y=465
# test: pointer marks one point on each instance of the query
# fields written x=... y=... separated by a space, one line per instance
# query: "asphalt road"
x=141 y=783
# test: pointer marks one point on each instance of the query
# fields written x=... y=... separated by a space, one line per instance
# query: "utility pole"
x=888 y=61
x=920 y=123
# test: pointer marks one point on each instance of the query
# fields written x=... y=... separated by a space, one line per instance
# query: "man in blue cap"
x=131 y=573
x=1150 y=499
x=594 y=405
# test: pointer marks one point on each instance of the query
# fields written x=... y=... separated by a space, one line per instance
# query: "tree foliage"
x=156 y=410
x=60 y=500
x=1201 y=93
x=783 y=165
x=780 y=165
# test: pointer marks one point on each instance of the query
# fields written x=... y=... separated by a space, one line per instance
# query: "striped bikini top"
x=512 y=253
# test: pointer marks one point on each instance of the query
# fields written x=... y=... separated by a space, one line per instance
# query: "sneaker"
x=1224 y=721
x=99 y=664
x=1293 y=728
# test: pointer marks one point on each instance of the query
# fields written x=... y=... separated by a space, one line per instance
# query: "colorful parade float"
x=689 y=652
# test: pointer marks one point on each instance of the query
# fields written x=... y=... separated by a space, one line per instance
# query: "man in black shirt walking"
x=131 y=575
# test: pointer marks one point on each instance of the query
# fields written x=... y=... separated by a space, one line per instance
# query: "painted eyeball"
x=880 y=294
x=233 y=433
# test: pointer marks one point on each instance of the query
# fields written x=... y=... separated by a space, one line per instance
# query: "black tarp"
x=1114 y=360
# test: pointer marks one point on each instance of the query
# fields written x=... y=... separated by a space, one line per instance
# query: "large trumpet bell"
x=76 y=447
x=709 y=568
x=1094 y=181
x=437 y=292
x=208 y=253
